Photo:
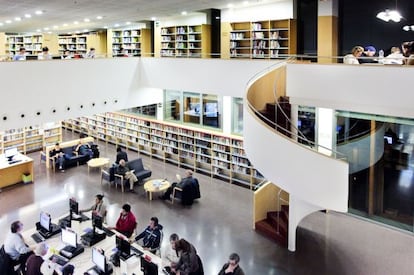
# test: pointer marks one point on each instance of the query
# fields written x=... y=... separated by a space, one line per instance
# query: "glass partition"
x=192 y=108
x=237 y=116
x=172 y=103
x=211 y=111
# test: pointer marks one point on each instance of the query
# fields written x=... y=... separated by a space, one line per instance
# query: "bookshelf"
x=76 y=44
x=32 y=138
x=135 y=41
x=204 y=151
x=269 y=39
x=186 y=41
x=31 y=42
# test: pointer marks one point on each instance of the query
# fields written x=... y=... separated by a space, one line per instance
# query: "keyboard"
x=136 y=251
x=108 y=232
x=37 y=238
x=59 y=260
x=15 y=161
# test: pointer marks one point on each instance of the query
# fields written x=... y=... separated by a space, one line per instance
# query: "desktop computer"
x=93 y=237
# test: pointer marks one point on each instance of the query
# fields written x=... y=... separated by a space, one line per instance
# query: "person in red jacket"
x=126 y=222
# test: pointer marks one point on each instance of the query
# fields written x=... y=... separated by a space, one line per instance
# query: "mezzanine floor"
x=220 y=223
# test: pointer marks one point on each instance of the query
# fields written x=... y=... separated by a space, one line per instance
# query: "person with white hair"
x=36 y=265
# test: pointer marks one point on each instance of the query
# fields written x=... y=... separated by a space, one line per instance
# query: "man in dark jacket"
x=187 y=181
x=151 y=235
x=232 y=266
x=120 y=155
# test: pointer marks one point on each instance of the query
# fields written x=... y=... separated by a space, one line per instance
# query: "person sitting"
x=395 y=57
x=126 y=222
x=170 y=255
x=232 y=266
x=21 y=55
x=36 y=265
x=353 y=57
x=66 y=55
x=15 y=245
x=367 y=55
x=408 y=52
x=59 y=156
x=44 y=55
x=91 y=53
x=98 y=207
x=84 y=149
x=186 y=181
x=188 y=262
x=151 y=235
x=123 y=170
x=120 y=155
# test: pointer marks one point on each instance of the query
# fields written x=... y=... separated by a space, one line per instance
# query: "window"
x=237 y=116
x=211 y=108
x=192 y=108
x=172 y=111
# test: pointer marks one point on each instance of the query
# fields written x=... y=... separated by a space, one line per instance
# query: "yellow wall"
x=51 y=41
x=327 y=39
x=98 y=41
x=225 y=40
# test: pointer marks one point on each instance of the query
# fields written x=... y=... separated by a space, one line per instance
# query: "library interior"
x=262 y=133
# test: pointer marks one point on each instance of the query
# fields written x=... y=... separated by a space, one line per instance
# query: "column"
x=327 y=31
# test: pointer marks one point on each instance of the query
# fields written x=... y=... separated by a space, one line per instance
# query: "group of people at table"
x=397 y=55
x=180 y=257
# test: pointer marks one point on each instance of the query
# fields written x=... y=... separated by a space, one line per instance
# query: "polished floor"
x=220 y=223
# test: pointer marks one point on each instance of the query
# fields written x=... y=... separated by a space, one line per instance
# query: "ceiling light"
x=46 y=29
x=17 y=19
x=105 y=27
x=99 y=17
x=116 y=25
x=128 y=23
x=183 y=13
x=86 y=20
x=49 y=32
x=75 y=22
x=55 y=27
x=39 y=12
x=153 y=18
x=27 y=15
x=77 y=32
x=388 y=15
x=8 y=21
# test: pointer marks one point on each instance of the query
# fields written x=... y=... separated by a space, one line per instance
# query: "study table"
x=155 y=186
x=83 y=262
x=11 y=173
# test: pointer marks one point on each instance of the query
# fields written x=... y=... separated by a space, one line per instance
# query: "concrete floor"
x=219 y=223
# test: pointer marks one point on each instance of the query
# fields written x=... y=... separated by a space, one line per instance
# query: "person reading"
x=187 y=180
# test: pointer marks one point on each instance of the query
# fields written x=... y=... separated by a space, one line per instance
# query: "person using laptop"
x=126 y=222
x=98 y=207
x=36 y=265
x=232 y=266
x=151 y=235
x=129 y=175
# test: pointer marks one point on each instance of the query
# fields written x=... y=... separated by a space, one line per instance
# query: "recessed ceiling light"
x=75 y=22
x=183 y=13
x=27 y=15
x=105 y=27
x=153 y=18
x=86 y=20
x=8 y=21
x=17 y=19
x=39 y=12
x=99 y=17
x=116 y=25
x=46 y=28
x=65 y=25
x=128 y=23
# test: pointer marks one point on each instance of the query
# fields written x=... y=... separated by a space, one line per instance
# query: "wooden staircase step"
x=265 y=228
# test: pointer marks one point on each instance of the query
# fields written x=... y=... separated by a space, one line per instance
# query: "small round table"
x=156 y=185
x=97 y=163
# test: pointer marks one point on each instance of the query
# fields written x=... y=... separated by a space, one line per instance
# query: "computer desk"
x=83 y=262
x=12 y=173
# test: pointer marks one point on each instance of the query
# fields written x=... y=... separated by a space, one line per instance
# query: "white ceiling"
x=58 y=12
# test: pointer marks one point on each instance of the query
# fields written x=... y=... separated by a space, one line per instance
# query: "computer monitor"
x=211 y=109
x=98 y=258
x=73 y=206
x=388 y=139
x=9 y=153
x=148 y=268
x=97 y=221
x=69 y=237
x=123 y=246
x=45 y=221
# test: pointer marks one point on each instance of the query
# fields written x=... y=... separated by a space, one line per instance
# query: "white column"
x=325 y=130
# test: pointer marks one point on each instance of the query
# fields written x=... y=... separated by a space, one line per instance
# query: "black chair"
x=188 y=193
x=6 y=263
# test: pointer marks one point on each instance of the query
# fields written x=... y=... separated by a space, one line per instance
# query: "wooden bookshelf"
x=135 y=41
x=30 y=139
x=186 y=41
x=204 y=151
x=269 y=39
x=33 y=43
x=76 y=44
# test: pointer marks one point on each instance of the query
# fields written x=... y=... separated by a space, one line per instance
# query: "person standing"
x=123 y=170
x=98 y=207
x=15 y=245
x=126 y=222
x=170 y=256
x=120 y=155
x=188 y=262
x=232 y=266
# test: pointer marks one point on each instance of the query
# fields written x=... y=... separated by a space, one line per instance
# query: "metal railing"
x=279 y=207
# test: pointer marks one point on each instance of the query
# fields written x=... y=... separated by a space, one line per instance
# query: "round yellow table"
x=97 y=163
x=156 y=185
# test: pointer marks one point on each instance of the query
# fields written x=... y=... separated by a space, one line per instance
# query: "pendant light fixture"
x=388 y=15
